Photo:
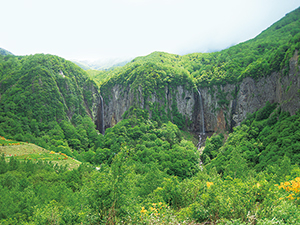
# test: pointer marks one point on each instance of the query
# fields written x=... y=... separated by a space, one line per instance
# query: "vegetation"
x=99 y=76
x=47 y=100
x=26 y=151
x=134 y=186
x=263 y=140
x=150 y=174
x=144 y=170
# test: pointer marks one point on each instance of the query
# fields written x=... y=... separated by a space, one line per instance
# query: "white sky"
x=95 y=29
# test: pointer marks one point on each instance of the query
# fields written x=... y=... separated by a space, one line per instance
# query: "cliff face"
x=45 y=88
x=251 y=95
x=225 y=106
x=122 y=98
x=91 y=100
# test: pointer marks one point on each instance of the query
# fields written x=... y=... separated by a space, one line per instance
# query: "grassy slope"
x=28 y=151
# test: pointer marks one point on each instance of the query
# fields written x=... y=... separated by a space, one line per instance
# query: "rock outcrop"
x=122 y=98
x=250 y=95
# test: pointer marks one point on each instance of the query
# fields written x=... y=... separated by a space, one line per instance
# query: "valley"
x=122 y=145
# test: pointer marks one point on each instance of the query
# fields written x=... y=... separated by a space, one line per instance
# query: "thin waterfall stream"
x=102 y=116
x=202 y=112
x=202 y=131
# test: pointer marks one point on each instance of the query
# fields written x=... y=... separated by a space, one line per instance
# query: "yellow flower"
x=143 y=210
x=291 y=197
x=208 y=184
x=293 y=187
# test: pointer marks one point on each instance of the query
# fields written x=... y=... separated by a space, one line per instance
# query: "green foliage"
x=148 y=142
x=142 y=171
x=212 y=145
x=148 y=173
x=46 y=100
x=266 y=140
x=99 y=76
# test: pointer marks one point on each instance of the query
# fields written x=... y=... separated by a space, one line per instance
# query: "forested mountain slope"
x=39 y=93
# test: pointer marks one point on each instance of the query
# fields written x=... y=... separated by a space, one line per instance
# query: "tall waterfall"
x=202 y=113
x=102 y=117
x=202 y=127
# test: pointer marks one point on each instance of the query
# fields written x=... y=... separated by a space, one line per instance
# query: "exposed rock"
x=122 y=98
x=185 y=102
x=253 y=95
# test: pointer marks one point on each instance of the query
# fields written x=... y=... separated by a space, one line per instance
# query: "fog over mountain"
x=102 y=64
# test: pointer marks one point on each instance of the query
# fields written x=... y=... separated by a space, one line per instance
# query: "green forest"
x=147 y=169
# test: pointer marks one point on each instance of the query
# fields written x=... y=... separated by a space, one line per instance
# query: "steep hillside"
x=57 y=88
x=42 y=97
x=270 y=51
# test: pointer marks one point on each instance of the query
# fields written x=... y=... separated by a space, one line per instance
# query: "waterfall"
x=202 y=113
x=202 y=131
x=102 y=117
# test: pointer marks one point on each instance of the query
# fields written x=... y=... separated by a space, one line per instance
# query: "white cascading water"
x=102 y=116
x=202 y=131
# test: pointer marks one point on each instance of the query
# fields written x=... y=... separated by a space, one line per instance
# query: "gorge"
x=224 y=106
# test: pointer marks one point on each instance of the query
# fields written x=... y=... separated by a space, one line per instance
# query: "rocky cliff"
x=250 y=95
x=122 y=98
x=225 y=106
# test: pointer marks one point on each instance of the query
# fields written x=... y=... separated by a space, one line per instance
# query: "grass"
x=27 y=151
